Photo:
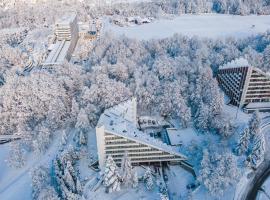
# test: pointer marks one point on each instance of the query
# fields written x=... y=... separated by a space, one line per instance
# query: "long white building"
x=246 y=86
x=67 y=34
x=117 y=133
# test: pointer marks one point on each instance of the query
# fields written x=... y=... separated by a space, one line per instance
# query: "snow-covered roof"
x=58 y=53
x=67 y=18
x=126 y=110
x=239 y=62
x=117 y=125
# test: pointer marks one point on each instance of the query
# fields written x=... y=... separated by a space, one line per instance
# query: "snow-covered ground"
x=15 y=184
x=205 y=25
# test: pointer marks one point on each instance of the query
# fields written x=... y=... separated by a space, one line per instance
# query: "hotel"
x=245 y=85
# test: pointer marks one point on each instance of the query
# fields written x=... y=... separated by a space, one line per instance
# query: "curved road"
x=258 y=183
x=263 y=171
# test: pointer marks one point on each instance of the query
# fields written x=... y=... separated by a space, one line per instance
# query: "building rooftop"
x=239 y=62
x=118 y=125
x=67 y=18
x=58 y=53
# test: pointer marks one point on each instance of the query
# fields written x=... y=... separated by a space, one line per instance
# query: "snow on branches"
x=111 y=176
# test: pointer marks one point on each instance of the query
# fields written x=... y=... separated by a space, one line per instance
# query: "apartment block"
x=117 y=133
x=67 y=34
x=245 y=85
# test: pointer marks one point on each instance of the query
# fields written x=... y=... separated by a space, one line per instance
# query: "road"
x=263 y=171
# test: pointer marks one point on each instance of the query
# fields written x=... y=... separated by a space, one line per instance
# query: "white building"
x=67 y=28
x=246 y=86
x=117 y=133
x=66 y=34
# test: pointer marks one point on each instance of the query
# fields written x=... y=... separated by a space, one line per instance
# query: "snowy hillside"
x=207 y=25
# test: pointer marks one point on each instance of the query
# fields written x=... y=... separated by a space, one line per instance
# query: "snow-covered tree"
x=148 y=179
x=75 y=109
x=202 y=116
x=258 y=151
x=64 y=138
x=68 y=178
x=111 y=176
x=82 y=121
x=254 y=124
x=243 y=143
x=266 y=58
x=163 y=196
x=48 y=193
x=40 y=180
x=17 y=155
x=218 y=171
x=135 y=181
x=82 y=138
x=126 y=170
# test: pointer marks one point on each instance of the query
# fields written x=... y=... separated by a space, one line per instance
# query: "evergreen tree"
x=82 y=121
x=254 y=124
x=40 y=180
x=69 y=181
x=48 y=193
x=111 y=176
x=201 y=118
x=243 y=143
x=148 y=179
x=135 y=181
x=126 y=170
x=17 y=157
x=258 y=151
x=74 y=110
x=82 y=139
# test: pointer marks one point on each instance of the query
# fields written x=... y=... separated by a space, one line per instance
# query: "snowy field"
x=207 y=25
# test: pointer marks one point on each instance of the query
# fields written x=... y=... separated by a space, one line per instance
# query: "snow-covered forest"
x=173 y=77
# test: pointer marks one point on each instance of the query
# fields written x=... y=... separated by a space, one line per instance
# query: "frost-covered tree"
x=17 y=155
x=202 y=117
x=82 y=121
x=254 y=124
x=40 y=180
x=66 y=177
x=48 y=193
x=82 y=138
x=163 y=196
x=266 y=58
x=75 y=109
x=258 y=151
x=243 y=143
x=148 y=179
x=64 y=138
x=42 y=139
x=111 y=176
x=126 y=170
x=218 y=171
x=135 y=181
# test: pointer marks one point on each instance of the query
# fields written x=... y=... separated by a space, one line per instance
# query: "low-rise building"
x=245 y=85
x=117 y=134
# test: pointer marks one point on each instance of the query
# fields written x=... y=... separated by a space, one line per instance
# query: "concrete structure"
x=245 y=85
x=117 y=133
x=67 y=28
x=66 y=34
